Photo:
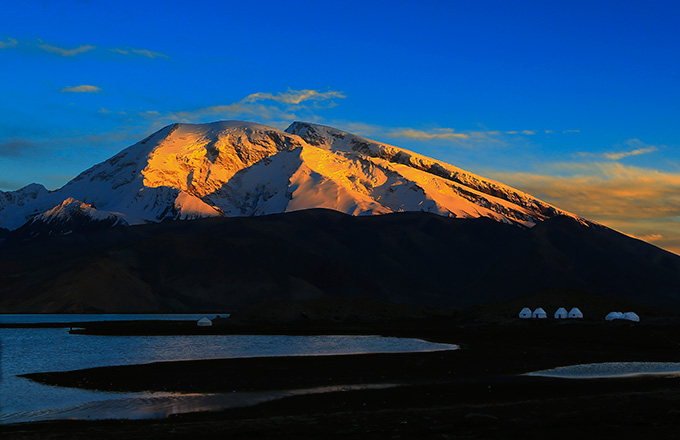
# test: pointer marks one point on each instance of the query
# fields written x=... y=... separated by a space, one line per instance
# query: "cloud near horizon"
x=444 y=136
x=641 y=202
x=650 y=237
x=81 y=89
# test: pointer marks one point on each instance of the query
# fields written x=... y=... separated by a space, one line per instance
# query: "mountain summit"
x=234 y=168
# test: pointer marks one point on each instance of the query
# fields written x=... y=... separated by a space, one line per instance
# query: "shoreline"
x=487 y=408
x=473 y=392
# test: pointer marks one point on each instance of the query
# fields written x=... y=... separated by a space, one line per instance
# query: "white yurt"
x=539 y=313
x=631 y=316
x=525 y=313
x=613 y=315
x=561 y=313
x=204 y=322
x=575 y=313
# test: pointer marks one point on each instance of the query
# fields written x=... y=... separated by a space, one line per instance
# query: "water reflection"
x=160 y=405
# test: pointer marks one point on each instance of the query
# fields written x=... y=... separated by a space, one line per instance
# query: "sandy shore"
x=470 y=393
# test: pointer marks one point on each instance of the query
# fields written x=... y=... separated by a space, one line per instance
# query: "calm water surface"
x=40 y=350
x=41 y=318
x=611 y=369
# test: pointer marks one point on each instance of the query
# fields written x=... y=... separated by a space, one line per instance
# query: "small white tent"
x=204 y=322
x=613 y=315
x=631 y=316
x=525 y=313
x=539 y=313
x=575 y=313
x=561 y=313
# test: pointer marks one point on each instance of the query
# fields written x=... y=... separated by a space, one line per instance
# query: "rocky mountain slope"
x=233 y=168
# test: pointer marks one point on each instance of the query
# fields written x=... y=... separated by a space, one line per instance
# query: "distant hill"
x=222 y=264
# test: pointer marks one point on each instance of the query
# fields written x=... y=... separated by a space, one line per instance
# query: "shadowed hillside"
x=414 y=258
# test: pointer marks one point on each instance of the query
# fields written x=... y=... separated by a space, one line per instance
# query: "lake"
x=28 y=350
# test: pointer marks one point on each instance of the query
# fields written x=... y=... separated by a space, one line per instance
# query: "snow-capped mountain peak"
x=234 y=168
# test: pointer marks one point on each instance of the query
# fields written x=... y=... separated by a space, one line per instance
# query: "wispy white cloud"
x=640 y=148
x=142 y=52
x=11 y=42
x=149 y=53
x=65 y=52
x=282 y=106
x=294 y=96
x=71 y=52
x=571 y=131
x=439 y=133
x=513 y=132
x=81 y=89
x=235 y=110
x=622 y=154
x=445 y=136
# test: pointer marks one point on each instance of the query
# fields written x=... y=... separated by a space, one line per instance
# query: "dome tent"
x=204 y=322
x=525 y=313
x=575 y=313
x=539 y=313
x=631 y=316
x=613 y=315
x=561 y=313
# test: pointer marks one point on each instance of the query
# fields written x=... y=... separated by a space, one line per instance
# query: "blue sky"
x=576 y=102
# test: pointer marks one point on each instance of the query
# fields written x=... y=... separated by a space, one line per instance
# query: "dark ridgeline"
x=411 y=258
